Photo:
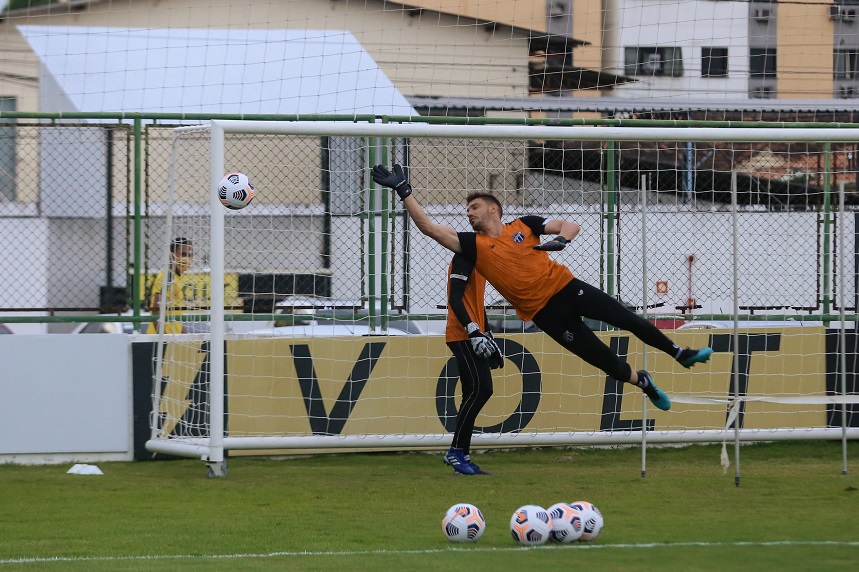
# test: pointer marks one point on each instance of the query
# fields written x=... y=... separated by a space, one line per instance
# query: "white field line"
x=577 y=546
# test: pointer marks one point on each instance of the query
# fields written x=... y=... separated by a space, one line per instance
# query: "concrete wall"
x=804 y=66
x=529 y=14
x=74 y=406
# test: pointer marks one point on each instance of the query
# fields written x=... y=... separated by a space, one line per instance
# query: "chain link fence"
x=64 y=214
x=317 y=229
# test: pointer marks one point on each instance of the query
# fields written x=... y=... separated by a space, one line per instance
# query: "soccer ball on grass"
x=530 y=525
x=235 y=191
x=463 y=523
x=592 y=519
x=567 y=523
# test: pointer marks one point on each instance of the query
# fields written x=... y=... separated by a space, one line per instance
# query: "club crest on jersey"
x=518 y=237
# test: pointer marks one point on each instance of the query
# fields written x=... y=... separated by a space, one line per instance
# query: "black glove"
x=396 y=180
x=554 y=245
x=496 y=360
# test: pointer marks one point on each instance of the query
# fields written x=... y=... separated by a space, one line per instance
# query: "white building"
x=679 y=48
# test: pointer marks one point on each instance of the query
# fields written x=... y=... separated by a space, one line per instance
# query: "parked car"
x=729 y=324
x=313 y=316
x=104 y=328
x=326 y=328
x=129 y=327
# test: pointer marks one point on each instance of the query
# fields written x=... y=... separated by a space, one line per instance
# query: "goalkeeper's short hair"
x=487 y=197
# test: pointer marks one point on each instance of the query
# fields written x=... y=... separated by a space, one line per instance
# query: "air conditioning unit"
x=762 y=14
x=838 y=12
x=764 y=92
x=558 y=8
x=846 y=92
x=652 y=63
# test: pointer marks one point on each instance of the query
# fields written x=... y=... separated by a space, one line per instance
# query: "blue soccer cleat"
x=477 y=470
x=689 y=357
x=657 y=397
x=456 y=459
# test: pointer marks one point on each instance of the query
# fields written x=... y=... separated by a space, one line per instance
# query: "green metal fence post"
x=610 y=214
x=138 y=223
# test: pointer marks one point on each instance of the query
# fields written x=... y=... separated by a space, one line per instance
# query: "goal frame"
x=212 y=449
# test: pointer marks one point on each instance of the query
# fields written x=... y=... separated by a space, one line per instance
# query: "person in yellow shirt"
x=181 y=256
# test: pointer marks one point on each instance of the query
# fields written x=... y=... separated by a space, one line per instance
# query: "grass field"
x=794 y=510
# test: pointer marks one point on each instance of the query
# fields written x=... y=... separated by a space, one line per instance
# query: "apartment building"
x=730 y=50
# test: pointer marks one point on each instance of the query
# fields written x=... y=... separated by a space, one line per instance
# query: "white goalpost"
x=315 y=315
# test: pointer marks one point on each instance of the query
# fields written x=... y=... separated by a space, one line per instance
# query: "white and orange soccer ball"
x=235 y=191
x=530 y=525
x=592 y=519
x=463 y=523
x=567 y=523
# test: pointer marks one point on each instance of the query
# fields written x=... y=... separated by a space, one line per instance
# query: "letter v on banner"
x=321 y=422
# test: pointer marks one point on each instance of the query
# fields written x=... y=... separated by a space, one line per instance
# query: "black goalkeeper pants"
x=476 y=378
x=561 y=319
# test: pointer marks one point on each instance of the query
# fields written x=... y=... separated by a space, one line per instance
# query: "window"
x=845 y=64
x=762 y=62
x=714 y=62
x=666 y=62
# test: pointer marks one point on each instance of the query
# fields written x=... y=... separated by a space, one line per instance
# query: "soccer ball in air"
x=567 y=523
x=463 y=523
x=235 y=191
x=591 y=517
x=530 y=525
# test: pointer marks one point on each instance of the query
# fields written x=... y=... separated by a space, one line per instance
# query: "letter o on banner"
x=531 y=391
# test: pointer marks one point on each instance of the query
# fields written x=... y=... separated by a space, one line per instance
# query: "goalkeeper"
x=476 y=353
x=511 y=257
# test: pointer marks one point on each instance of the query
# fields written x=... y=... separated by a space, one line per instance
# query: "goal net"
x=441 y=57
x=314 y=318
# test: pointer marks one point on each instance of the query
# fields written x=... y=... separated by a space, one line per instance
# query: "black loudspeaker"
x=112 y=299
x=261 y=292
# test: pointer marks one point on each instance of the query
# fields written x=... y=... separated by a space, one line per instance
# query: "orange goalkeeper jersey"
x=472 y=299
x=527 y=278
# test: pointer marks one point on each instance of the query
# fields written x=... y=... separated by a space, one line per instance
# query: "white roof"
x=102 y=69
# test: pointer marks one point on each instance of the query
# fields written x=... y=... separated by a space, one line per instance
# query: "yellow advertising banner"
x=408 y=385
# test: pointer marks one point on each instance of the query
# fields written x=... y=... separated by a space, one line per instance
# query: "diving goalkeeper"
x=514 y=261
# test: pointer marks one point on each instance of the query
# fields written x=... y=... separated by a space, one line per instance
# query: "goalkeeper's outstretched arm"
x=441 y=233
x=396 y=180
